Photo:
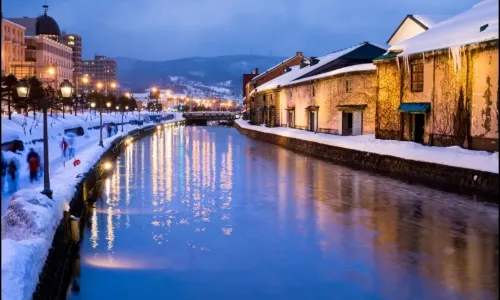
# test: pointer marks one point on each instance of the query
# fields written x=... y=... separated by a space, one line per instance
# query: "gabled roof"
x=430 y=20
x=275 y=66
x=424 y=21
x=349 y=69
x=297 y=72
x=278 y=81
x=459 y=30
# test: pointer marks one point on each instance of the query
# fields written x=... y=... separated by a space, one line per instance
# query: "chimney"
x=256 y=71
x=299 y=53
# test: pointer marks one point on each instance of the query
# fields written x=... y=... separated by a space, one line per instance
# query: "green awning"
x=351 y=107
x=386 y=56
x=415 y=108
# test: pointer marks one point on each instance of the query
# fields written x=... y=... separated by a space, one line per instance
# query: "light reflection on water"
x=202 y=212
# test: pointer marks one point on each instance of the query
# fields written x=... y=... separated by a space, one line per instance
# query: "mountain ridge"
x=180 y=74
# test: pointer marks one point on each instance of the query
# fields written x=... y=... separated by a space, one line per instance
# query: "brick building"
x=267 y=76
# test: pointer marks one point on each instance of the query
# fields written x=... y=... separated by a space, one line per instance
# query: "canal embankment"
x=451 y=168
x=35 y=241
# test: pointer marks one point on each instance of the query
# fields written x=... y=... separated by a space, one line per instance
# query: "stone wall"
x=453 y=178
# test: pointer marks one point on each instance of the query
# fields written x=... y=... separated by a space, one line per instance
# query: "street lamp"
x=108 y=105
x=99 y=86
x=23 y=90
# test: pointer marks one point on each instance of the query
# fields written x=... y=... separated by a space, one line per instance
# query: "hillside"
x=203 y=76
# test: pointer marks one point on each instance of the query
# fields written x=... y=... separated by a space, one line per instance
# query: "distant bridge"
x=202 y=117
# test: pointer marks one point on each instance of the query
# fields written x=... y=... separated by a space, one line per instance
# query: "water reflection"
x=209 y=213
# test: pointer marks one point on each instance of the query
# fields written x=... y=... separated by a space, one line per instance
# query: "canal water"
x=207 y=213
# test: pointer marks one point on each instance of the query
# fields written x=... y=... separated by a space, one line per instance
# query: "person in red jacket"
x=34 y=164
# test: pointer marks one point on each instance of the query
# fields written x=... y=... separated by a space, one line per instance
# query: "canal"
x=207 y=213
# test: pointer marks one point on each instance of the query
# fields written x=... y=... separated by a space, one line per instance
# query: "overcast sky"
x=168 y=29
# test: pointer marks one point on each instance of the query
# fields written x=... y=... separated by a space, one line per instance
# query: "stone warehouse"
x=433 y=93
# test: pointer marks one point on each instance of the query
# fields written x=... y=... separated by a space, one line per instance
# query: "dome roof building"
x=47 y=26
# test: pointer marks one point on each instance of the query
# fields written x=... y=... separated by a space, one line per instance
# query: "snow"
x=30 y=220
x=296 y=72
x=430 y=20
x=450 y=156
x=355 y=68
x=279 y=81
x=274 y=67
x=459 y=30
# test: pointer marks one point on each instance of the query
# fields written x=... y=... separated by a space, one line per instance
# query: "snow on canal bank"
x=450 y=156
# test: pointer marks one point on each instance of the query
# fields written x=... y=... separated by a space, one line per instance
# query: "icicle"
x=397 y=62
x=423 y=58
x=406 y=61
x=457 y=58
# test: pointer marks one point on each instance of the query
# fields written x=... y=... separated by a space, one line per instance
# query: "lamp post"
x=99 y=86
x=92 y=105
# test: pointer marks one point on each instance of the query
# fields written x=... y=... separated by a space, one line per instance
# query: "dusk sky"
x=169 y=29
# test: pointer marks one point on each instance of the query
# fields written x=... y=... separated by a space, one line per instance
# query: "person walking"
x=12 y=176
x=108 y=129
x=71 y=146
x=34 y=164
x=64 y=149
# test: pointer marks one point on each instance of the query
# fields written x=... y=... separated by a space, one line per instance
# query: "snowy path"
x=56 y=164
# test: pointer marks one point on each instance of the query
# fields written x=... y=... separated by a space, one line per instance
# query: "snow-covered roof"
x=430 y=20
x=275 y=66
x=349 y=69
x=280 y=80
x=297 y=72
x=459 y=30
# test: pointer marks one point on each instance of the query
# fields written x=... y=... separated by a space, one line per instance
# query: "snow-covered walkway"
x=450 y=156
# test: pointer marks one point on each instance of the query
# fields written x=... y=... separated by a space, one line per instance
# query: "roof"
x=28 y=23
x=430 y=20
x=47 y=25
x=278 y=81
x=274 y=67
x=456 y=31
x=424 y=21
x=296 y=72
x=349 y=69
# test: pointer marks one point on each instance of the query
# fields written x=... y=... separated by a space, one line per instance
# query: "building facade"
x=44 y=57
x=12 y=44
x=269 y=75
x=74 y=41
x=100 y=69
x=434 y=94
x=342 y=102
x=435 y=102
x=47 y=59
